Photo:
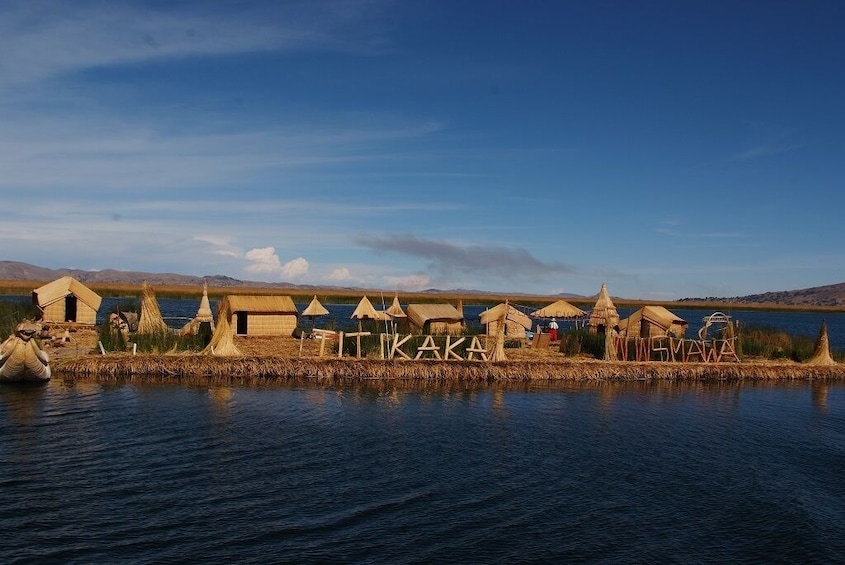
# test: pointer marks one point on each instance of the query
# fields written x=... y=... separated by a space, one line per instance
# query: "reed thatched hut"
x=67 y=300
x=435 y=318
x=603 y=315
x=516 y=322
x=652 y=321
x=264 y=315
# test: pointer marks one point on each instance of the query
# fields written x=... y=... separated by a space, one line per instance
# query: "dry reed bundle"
x=821 y=352
x=222 y=341
x=151 y=322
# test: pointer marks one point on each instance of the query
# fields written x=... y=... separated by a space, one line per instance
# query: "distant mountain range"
x=830 y=296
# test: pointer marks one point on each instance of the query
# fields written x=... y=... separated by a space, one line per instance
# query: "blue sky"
x=667 y=149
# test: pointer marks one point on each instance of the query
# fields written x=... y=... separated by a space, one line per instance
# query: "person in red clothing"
x=553 y=330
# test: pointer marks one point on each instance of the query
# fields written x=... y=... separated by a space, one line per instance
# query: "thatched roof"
x=365 y=310
x=496 y=313
x=604 y=312
x=314 y=308
x=395 y=310
x=419 y=314
x=657 y=315
x=204 y=311
x=559 y=309
x=150 y=321
x=821 y=353
x=275 y=304
x=60 y=288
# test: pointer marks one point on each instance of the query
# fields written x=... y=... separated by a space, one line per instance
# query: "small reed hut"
x=516 y=322
x=67 y=300
x=653 y=321
x=604 y=315
x=435 y=318
x=204 y=316
x=257 y=315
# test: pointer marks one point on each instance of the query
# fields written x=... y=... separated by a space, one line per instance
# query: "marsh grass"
x=771 y=343
x=12 y=313
x=582 y=342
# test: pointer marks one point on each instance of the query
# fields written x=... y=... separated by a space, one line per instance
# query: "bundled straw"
x=223 y=341
x=151 y=321
x=821 y=353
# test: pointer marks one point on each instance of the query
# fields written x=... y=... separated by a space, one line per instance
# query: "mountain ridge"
x=827 y=296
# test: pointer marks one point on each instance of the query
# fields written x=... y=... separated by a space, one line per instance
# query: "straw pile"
x=821 y=353
x=151 y=322
x=222 y=341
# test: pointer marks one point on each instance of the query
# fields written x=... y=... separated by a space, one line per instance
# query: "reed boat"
x=21 y=358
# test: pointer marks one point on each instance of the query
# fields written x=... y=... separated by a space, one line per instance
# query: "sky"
x=667 y=149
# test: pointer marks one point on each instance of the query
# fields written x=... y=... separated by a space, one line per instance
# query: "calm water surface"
x=652 y=473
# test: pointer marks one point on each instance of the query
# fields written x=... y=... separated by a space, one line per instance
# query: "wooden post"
x=339 y=345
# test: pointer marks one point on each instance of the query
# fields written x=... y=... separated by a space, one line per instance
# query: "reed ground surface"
x=267 y=359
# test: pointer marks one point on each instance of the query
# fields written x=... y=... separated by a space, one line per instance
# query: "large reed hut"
x=652 y=321
x=604 y=315
x=257 y=315
x=435 y=318
x=67 y=300
x=516 y=322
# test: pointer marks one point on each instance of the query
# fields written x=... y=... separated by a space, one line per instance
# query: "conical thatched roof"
x=559 y=309
x=365 y=310
x=395 y=310
x=204 y=311
x=604 y=312
x=151 y=321
x=203 y=315
x=223 y=341
x=821 y=354
x=315 y=309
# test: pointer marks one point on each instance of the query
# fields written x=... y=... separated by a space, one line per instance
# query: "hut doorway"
x=241 y=327
x=70 y=308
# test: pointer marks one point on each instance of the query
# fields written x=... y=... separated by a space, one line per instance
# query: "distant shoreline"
x=352 y=296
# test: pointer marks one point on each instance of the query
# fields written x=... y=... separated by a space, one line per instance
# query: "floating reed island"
x=261 y=359
x=262 y=369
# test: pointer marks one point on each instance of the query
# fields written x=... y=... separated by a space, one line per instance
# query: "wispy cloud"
x=46 y=38
x=759 y=151
x=446 y=259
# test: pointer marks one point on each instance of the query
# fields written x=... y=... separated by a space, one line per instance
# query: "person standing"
x=553 y=330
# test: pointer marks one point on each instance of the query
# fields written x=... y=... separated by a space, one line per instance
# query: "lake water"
x=637 y=473
x=135 y=472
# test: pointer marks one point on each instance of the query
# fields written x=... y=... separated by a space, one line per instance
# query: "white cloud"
x=340 y=274
x=264 y=260
x=220 y=245
x=295 y=268
x=410 y=282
